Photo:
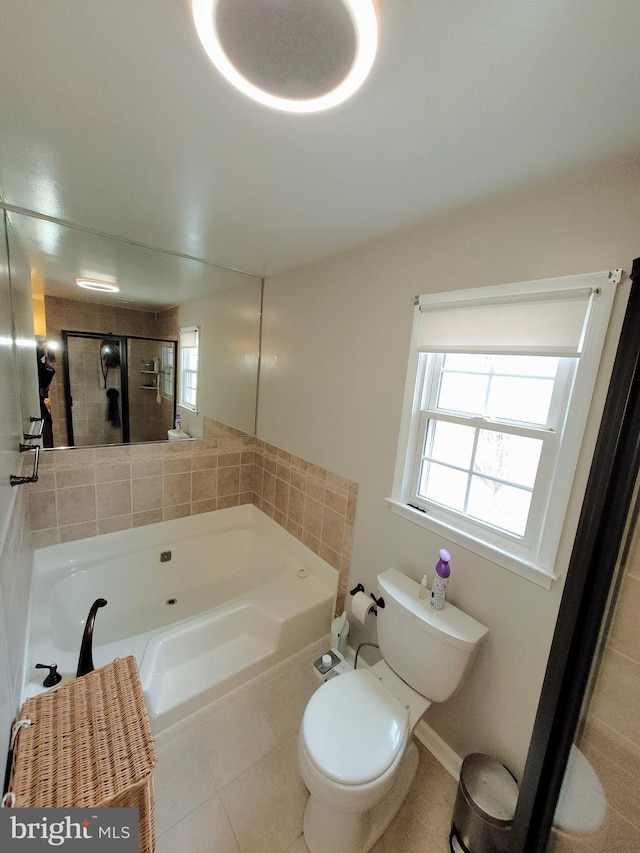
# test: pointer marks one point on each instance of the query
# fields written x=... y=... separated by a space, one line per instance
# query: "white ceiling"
x=113 y=119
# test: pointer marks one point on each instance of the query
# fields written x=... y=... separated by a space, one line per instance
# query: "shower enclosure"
x=590 y=700
x=117 y=388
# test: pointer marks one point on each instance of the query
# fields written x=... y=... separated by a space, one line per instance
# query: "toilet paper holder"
x=359 y=588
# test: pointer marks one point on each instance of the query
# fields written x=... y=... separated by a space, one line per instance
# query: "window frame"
x=167 y=370
x=533 y=555
x=183 y=371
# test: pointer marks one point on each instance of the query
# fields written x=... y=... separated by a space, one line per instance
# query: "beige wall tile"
x=176 y=511
x=203 y=506
x=332 y=529
x=42 y=510
x=177 y=465
x=203 y=461
x=282 y=496
x=625 y=630
x=151 y=516
x=226 y=501
x=76 y=504
x=177 y=489
x=296 y=506
x=113 y=499
x=246 y=477
x=146 y=494
x=204 y=484
x=336 y=500
x=42 y=538
x=151 y=467
x=75 y=477
x=78 y=531
x=112 y=525
x=112 y=472
x=228 y=481
x=617 y=694
x=313 y=512
x=315 y=489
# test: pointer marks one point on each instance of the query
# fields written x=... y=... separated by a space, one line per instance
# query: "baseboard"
x=440 y=750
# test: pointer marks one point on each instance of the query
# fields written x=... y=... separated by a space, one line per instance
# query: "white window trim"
x=181 y=401
x=537 y=563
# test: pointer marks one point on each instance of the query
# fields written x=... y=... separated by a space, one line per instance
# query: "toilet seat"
x=353 y=728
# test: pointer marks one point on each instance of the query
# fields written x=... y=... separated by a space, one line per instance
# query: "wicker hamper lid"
x=89 y=741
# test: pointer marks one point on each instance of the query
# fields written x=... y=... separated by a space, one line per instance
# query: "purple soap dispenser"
x=440 y=580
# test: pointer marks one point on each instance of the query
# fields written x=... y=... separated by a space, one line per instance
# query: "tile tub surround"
x=83 y=492
x=315 y=505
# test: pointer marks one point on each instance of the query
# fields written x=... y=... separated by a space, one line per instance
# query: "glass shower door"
x=93 y=390
x=599 y=805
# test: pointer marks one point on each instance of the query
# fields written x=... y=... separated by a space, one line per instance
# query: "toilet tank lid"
x=458 y=628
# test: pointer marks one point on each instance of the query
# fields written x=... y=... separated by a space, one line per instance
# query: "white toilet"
x=177 y=435
x=356 y=754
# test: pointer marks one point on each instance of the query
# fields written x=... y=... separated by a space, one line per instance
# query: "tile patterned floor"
x=228 y=781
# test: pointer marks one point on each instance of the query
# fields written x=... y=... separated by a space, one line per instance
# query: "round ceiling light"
x=93 y=284
x=292 y=55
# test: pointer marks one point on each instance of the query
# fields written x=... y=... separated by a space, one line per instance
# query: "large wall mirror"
x=109 y=365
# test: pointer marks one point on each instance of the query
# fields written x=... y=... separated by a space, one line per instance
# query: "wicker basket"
x=89 y=745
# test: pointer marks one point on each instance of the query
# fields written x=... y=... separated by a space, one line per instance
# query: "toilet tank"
x=431 y=650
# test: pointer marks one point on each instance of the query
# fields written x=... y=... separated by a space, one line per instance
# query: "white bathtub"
x=238 y=595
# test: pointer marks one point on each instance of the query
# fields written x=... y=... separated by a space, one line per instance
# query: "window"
x=188 y=386
x=498 y=391
x=166 y=371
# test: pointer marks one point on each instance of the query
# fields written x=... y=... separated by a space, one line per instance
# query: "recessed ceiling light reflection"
x=93 y=284
x=295 y=55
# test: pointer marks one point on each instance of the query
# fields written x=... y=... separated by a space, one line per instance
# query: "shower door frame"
x=591 y=572
x=121 y=340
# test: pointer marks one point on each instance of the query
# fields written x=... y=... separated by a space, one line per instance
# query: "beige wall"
x=335 y=347
x=229 y=345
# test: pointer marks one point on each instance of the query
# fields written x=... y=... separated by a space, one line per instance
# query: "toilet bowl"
x=582 y=804
x=177 y=435
x=355 y=748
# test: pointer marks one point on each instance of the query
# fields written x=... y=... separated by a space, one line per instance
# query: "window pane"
x=462 y=392
x=520 y=399
x=450 y=443
x=525 y=365
x=502 y=506
x=443 y=485
x=468 y=362
x=508 y=457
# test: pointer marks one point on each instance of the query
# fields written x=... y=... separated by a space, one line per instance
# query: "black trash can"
x=485 y=806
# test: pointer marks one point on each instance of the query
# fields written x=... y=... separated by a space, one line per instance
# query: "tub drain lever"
x=54 y=676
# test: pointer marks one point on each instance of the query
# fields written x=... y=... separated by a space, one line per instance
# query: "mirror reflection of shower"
x=117 y=388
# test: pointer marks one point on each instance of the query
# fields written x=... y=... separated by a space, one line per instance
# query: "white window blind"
x=530 y=323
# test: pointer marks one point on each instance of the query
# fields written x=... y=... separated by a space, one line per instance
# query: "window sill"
x=507 y=561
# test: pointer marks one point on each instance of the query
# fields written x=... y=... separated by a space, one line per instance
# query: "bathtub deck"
x=204 y=658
